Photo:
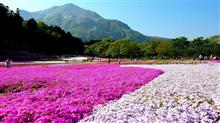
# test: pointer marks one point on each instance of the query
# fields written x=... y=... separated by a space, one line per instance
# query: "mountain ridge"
x=85 y=24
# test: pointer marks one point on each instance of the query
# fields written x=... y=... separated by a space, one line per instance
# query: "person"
x=8 y=63
x=200 y=57
x=194 y=57
x=119 y=61
x=109 y=60
x=211 y=57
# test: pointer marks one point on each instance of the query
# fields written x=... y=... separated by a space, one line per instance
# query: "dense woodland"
x=157 y=48
x=37 y=37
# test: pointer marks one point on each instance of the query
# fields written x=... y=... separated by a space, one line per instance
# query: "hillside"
x=85 y=24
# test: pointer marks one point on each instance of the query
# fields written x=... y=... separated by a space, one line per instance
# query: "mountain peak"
x=70 y=5
x=85 y=24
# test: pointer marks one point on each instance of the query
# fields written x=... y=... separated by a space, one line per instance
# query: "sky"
x=163 y=18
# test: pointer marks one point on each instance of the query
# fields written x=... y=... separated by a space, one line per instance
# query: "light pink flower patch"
x=64 y=93
x=214 y=61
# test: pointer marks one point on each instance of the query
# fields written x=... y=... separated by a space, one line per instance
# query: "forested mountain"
x=35 y=37
x=85 y=24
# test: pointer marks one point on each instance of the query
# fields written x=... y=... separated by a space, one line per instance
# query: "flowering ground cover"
x=213 y=61
x=64 y=93
x=185 y=93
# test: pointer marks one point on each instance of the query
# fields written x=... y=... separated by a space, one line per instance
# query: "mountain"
x=85 y=24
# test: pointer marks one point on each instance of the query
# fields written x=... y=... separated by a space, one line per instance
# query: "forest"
x=156 y=48
x=34 y=37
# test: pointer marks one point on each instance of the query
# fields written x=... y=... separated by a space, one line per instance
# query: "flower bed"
x=64 y=93
x=214 y=61
x=183 y=94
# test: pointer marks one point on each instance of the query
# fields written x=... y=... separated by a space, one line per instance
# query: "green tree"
x=114 y=50
x=179 y=46
x=129 y=49
x=98 y=49
x=164 y=48
x=197 y=47
x=149 y=48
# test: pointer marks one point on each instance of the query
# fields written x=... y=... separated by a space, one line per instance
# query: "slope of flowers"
x=64 y=93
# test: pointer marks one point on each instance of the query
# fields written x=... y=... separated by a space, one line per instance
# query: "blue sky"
x=164 y=18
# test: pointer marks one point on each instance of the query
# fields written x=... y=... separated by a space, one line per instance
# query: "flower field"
x=185 y=93
x=64 y=93
x=214 y=61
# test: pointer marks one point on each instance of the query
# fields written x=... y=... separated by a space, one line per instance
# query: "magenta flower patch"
x=64 y=93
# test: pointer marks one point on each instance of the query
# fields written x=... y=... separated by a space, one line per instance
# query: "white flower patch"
x=184 y=93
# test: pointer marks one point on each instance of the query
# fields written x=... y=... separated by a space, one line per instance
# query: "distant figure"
x=194 y=58
x=119 y=61
x=200 y=57
x=211 y=57
x=109 y=60
x=8 y=63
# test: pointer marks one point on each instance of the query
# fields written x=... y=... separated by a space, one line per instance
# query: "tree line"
x=156 y=48
x=36 y=37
